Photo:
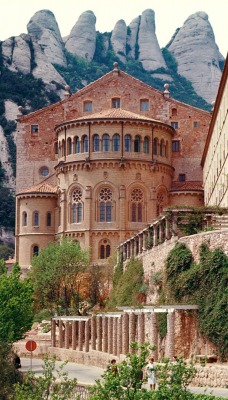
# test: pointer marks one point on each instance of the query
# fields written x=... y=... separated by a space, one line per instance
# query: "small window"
x=174 y=112
x=96 y=143
x=24 y=218
x=105 y=249
x=36 y=218
x=146 y=145
x=137 y=144
x=116 y=103
x=195 y=124
x=106 y=142
x=85 y=144
x=48 y=219
x=44 y=171
x=182 y=177
x=116 y=142
x=175 y=146
x=56 y=148
x=127 y=143
x=88 y=106
x=144 y=105
x=34 y=129
x=35 y=251
x=174 y=125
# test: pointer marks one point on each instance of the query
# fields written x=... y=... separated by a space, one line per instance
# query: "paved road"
x=86 y=375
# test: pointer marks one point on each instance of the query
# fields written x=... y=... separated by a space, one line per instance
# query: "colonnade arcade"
x=113 y=332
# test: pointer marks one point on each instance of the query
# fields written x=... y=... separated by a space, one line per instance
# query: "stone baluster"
x=53 y=333
x=118 y=254
x=132 y=329
x=99 y=333
x=104 y=334
x=160 y=232
x=114 y=335
x=141 y=328
x=93 y=333
x=135 y=246
x=81 y=333
x=170 y=341
x=125 y=333
x=128 y=250
x=144 y=240
x=131 y=248
x=74 y=335
x=110 y=335
x=87 y=331
x=124 y=252
x=60 y=333
x=167 y=228
x=120 y=335
x=140 y=243
x=67 y=335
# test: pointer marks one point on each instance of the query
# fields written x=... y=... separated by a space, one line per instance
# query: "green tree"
x=53 y=384
x=57 y=276
x=16 y=306
x=8 y=374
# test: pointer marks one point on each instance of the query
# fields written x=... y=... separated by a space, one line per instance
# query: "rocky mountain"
x=35 y=66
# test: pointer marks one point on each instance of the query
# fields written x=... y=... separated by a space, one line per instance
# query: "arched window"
x=76 y=144
x=137 y=144
x=35 y=218
x=162 y=148
x=35 y=251
x=146 y=145
x=24 y=218
x=155 y=146
x=116 y=142
x=69 y=146
x=63 y=148
x=77 y=206
x=137 y=205
x=105 y=249
x=105 y=205
x=48 y=219
x=96 y=143
x=106 y=142
x=85 y=144
x=127 y=143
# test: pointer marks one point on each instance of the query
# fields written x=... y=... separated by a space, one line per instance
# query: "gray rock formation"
x=197 y=55
x=149 y=51
x=44 y=29
x=133 y=30
x=119 y=39
x=82 y=38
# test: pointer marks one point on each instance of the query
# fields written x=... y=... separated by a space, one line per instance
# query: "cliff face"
x=197 y=55
x=42 y=51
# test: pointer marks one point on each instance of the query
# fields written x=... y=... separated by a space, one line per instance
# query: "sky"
x=169 y=15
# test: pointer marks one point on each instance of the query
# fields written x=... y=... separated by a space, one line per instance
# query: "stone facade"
x=215 y=160
x=107 y=159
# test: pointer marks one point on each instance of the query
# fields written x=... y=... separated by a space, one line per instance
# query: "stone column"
x=67 y=335
x=128 y=250
x=170 y=341
x=141 y=328
x=167 y=230
x=155 y=235
x=135 y=247
x=74 y=335
x=124 y=251
x=93 y=333
x=125 y=330
x=119 y=336
x=140 y=243
x=87 y=335
x=104 y=334
x=144 y=240
x=131 y=248
x=114 y=335
x=160 y=232
x=81 y=332
x=154 y=333
x=132 y=329
x=60 y=333
x=99 y=333
x=110 y=335
x=118 y=255
x=53 y=333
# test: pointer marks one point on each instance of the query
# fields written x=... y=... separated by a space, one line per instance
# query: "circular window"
x=44 y=171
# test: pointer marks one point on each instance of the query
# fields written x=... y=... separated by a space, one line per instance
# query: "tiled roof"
x=186 y=186
x=41 y=188
x=117 y=113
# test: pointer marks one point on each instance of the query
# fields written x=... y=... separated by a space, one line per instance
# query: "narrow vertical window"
x=106 y=142
x=36 y=218
x=48 y=219
x=116 y=142
x=146 y=145
x=116 y=103
x=155 y=146
x=137 y=144
x=105 y=249
x=77 y=206
x=137 y=200
x=96 y=143
x=24 y=219
x=35 y=251
x=105 y=205
x=85 y=144
x=127 y=143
